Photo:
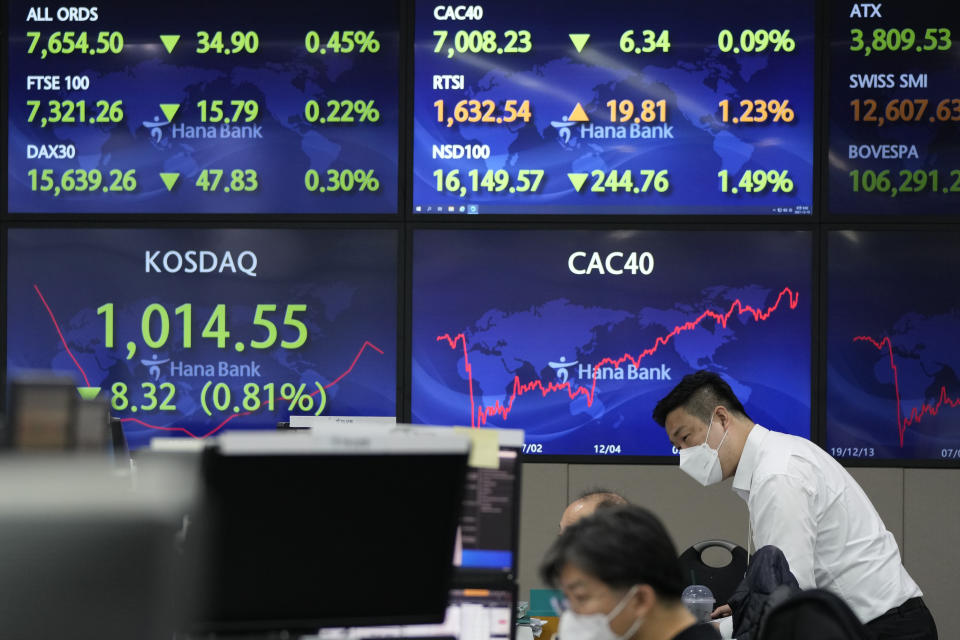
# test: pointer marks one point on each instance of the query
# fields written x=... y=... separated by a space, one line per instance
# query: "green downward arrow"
x=579 y=40
x=578 y=179
x=169 y=179
x=169 y=42
x=88 y=393
x=170 y=110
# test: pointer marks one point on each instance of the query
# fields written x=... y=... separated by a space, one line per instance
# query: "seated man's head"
x=589 y=502
x=619 y=572
x=703 y=410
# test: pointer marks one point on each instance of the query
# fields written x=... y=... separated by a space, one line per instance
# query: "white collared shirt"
x=804 y=502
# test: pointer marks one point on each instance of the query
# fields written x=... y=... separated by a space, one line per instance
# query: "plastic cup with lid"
x=699 y=601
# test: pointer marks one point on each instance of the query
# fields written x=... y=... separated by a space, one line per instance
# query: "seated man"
x=619 y=572
x=589 y=502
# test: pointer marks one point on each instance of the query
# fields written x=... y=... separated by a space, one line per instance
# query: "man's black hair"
x=620 y=546
x=699 y=394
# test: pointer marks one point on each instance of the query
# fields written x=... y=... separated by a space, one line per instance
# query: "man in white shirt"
x=801 y=500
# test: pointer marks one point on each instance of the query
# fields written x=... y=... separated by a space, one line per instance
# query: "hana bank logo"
x=155 y=126
x=562 y=368
x=156 y=129
x=565 y=125
x=564 y=130
x=154 y=366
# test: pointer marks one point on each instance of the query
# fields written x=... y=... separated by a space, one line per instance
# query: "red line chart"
x=479 y=416
x=56 y=325
x=916 y=413
x=184 y=430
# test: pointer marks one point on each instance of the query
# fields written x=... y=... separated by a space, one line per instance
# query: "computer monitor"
x=310 y=422
x=488 y=532
x=84 y=553
x=475 y=612
x=315 y=531
x=488 y=535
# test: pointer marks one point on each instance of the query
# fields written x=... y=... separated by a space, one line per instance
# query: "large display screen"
x=892 y=349
x=203 y=107
x=189 y=331
x=894 y=108
x=656 y=108
x=575 y=335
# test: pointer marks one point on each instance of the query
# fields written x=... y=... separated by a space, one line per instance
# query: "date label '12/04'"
x=606 y=449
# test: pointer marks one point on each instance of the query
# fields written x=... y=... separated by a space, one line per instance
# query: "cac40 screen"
x=574 y=336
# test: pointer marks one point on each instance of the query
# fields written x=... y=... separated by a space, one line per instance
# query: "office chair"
x=812 y=614
x=722 y=581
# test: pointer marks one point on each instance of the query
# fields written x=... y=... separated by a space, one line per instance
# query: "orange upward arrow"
x=578 y=115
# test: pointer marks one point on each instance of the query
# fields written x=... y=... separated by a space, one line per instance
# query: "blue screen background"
x=692 y=77
x=511 y=298
x=347 y=279
x=893 y=287
x=281 y=76
x=937 y=144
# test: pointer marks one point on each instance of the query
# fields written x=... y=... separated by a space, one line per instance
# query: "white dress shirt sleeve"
x=782 y=514
x=725 y=627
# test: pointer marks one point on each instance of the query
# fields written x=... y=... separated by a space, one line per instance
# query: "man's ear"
x=723 y=416
x=644 y=598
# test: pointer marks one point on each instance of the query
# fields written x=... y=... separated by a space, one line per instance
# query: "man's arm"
x=782 y=514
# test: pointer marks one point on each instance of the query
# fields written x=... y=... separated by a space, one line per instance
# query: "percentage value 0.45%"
x=342 y=42
x=220 y=397
x=758 y=181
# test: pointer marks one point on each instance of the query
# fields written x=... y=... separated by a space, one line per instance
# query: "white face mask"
x=701 y=462
x=595 y=626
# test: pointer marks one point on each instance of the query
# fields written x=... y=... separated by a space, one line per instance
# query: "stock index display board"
x=190 y=331
x=643 y=108
x=203 y=107
x=893 y=392
x=894 y=108
x=411 y=111
x=575 y=335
